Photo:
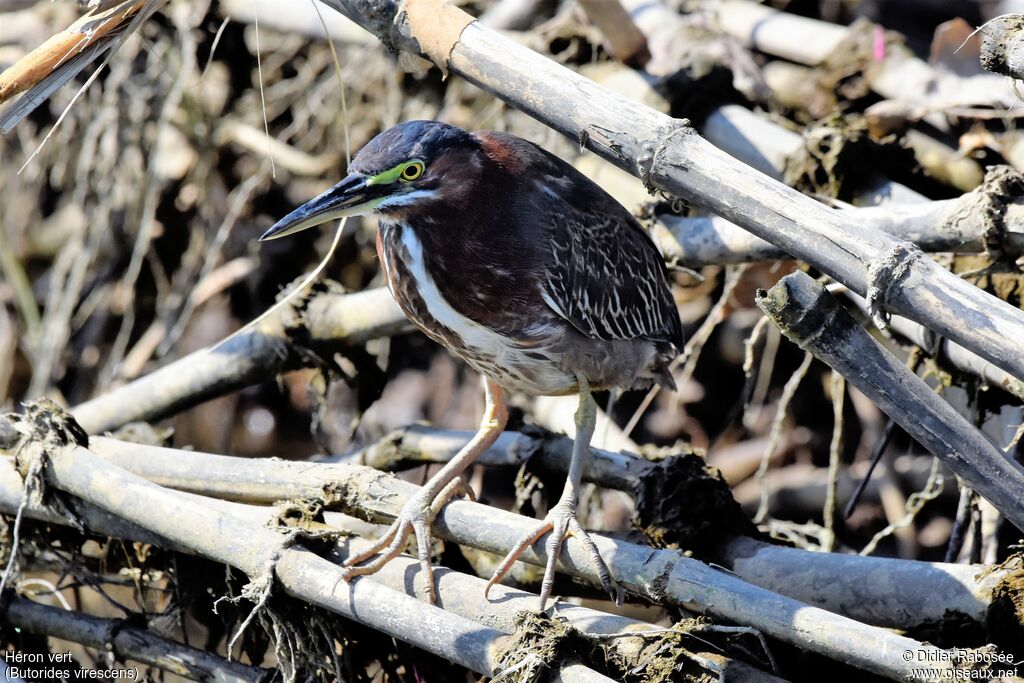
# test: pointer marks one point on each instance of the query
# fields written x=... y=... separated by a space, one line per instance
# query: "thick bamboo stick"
x=704 y=240
x=897 y=74
x=811 y=317
x=462 y=593
x=946 y=351
x=252 y=356
x=912 y=594
x=458 y=593
x=902 y=594
x=267 y=558
x=967 y=223
x=657 y=575
x=624 y=40
x=128 y=642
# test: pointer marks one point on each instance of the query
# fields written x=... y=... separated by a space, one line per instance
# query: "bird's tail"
x=662 y=367
x=663 y=376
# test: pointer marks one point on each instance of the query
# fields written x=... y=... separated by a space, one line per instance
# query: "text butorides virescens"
x=527 y=270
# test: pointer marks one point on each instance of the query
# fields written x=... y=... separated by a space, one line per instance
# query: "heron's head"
x=416 y=167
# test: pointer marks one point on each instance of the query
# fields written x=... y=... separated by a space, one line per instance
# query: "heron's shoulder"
x=519 y=155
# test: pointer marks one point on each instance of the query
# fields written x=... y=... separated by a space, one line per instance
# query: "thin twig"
x=788 y=392
x=838 y=388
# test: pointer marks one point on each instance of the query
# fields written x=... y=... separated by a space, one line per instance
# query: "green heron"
x=527 y=270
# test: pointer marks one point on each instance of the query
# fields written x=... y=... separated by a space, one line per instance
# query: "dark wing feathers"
x=605 y=275
x=608 y=280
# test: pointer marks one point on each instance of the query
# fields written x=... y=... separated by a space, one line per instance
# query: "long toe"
x=422 y=531
x=596 y=561
x=559 y=532
x=384 y=552
x=378 y=546
x=520 y=547
x=414 y=519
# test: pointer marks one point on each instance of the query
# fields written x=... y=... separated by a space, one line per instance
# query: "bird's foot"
x=414 y=519
x=561 y=522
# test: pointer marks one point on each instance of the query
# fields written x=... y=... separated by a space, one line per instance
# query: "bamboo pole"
x=458 y=593
x=904 y=594
x=814 y=320
x=980 y=220
x=128 y=642
x=625 y=41
x=1002 y=45
x=253 y=356
x=269 y=559
x=950 y=353
x=461 y=593
x=896 y=73
x=657 y=575
x=706 y=240
x=914 y=594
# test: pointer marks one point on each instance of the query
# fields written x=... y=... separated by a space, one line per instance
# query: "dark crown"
x=410 y=140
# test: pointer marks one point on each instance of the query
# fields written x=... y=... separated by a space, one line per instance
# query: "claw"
x=603 y=574
x=520 y=547
x=561 y=522
x=418 y=512
x=413 y=520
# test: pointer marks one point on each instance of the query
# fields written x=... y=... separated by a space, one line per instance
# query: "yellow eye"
x=412 y=171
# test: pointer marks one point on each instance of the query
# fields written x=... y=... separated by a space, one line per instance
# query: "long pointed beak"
x=350 y=197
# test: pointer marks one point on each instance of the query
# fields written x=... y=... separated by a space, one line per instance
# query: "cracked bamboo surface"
x=896 y=593
x=187 y=523
x=948 y=225
x=250 y=357
x=814 y=320
x=458 y=593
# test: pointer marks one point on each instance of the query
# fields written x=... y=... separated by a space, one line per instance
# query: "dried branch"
x=985 y=219
x=950 y=353
x=1002 y=44
x=896 y=73
x=461 y=593
x=812 y=318
x=950 y=225
x=269 y=558
x=128 y=642
x=91 y=30
x=64 y=55
x=845 y=584
x=625 y=41
x=458 y=593
x=286 y=340
x=657 y=575
x=960 y=224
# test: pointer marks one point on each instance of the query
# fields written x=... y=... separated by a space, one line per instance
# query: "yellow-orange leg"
x=419 y=511
x=561 y=519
